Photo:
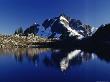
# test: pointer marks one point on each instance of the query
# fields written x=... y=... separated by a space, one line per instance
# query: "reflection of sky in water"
x=35 y=64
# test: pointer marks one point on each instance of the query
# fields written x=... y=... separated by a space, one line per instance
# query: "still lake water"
x=52 y=65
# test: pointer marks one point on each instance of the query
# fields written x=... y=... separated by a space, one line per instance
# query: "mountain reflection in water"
x=60 y=58
x=63 y=59
x=53 y=65
x=20 y=53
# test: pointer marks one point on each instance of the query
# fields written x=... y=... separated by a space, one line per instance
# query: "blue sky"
x=16 y=13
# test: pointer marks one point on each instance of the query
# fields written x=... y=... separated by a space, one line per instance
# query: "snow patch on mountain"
x=72 y=32
x=93 y=29
x=67 y=27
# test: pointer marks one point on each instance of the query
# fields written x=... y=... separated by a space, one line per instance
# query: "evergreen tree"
x=19 y=31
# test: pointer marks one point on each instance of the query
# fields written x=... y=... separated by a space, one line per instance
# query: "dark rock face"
x=75 y=23
x=56 y=27
x=47 y=23
x=32 y=29
x=102 y=34
x=64 y=25
x=83 y=29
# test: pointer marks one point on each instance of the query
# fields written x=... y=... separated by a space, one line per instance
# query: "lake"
x=53 y=65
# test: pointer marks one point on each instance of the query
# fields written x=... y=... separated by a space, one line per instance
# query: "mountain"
x=84 y=29
x=32 y=29
x=93 y=30
x=67 y=27
x=102 y=34
x=65 y=31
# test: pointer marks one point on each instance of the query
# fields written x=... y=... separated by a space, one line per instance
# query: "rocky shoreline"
x=17 y=41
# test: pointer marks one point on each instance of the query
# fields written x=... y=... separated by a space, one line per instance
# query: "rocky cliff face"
x=102 y=34
x=67 y=27
x=33 y=29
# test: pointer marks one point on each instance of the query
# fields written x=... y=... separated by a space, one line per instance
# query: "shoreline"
x=11 y=41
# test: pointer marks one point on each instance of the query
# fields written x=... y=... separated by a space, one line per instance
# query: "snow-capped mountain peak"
x=72 y=32
x=68 y=27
